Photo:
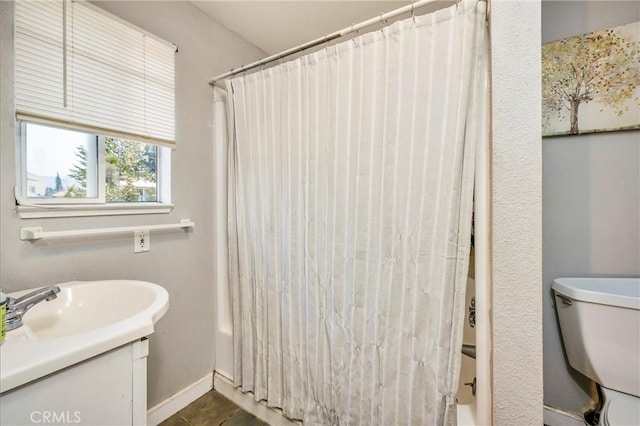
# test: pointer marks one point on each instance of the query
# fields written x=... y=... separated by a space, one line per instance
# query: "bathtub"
x=466 y=414
x=466 y=400
x=465 y=396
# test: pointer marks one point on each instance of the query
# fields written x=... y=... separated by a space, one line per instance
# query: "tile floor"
x=212 y=409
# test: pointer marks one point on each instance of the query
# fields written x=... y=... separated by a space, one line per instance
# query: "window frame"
x=35 y=207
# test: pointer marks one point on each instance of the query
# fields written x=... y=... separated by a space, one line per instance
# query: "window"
x=94 y=110
x=64 y=166
x=60 y=165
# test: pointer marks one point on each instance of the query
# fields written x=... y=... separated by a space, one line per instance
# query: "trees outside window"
x=131 y=169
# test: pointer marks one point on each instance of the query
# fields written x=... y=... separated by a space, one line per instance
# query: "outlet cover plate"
x=141 y=241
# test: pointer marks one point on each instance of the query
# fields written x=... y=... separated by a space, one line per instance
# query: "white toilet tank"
x=600 y=325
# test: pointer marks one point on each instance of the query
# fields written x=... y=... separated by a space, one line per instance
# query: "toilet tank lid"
x=623 y=292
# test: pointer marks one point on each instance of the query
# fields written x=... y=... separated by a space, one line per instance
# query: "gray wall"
x=591 y=200
x=182 y=347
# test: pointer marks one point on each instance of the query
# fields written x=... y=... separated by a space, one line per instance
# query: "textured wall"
x=182 y=347
x=516 y=209
x=591 y=200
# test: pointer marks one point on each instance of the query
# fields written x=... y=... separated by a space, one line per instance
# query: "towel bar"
x=36 y=233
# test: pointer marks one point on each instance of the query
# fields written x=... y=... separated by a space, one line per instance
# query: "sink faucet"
x=16 y=308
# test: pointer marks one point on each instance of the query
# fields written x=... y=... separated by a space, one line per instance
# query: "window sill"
x=36 y=212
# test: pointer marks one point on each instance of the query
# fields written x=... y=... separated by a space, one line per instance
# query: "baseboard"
x=179 y=400
x=557 y=417
x=272 y=416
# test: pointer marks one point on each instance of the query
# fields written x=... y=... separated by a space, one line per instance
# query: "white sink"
x=85 y=320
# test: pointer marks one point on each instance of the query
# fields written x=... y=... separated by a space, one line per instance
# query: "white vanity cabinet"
x=108 y=389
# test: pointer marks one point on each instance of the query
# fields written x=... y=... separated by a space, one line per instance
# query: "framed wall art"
x=591 y=82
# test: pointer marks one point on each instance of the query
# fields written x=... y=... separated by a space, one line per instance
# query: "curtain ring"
x=413 y=13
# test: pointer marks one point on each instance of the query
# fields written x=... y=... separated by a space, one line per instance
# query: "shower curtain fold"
x=350 y=185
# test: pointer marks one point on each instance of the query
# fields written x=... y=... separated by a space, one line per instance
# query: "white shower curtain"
x=350 y=201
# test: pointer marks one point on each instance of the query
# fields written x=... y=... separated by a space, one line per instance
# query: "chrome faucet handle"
x=17 y=307
x=51 y=292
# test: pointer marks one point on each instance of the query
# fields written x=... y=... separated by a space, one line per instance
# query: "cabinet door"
x=94 y=392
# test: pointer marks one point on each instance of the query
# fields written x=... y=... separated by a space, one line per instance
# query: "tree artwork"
x=592 y=82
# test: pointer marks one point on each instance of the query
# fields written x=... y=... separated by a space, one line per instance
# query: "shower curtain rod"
x=330 y=37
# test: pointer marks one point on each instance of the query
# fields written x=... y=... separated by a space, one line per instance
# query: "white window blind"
x=80 y=67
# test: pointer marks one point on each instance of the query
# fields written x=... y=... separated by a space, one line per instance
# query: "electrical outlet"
x=141 y=241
